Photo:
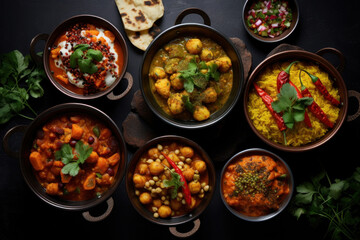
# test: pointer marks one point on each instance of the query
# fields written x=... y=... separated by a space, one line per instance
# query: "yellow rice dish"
x=265 y=123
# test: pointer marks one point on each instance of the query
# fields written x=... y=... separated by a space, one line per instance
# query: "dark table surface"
x=322 y=23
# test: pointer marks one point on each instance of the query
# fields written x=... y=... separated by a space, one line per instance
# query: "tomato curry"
x=255 y=185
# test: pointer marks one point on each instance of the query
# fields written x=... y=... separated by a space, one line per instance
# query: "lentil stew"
x=75 y=157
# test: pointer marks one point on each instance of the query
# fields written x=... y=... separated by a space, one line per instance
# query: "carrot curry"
x=86 y=59
x=255 y=185
x=75 y=157
x=171 y=179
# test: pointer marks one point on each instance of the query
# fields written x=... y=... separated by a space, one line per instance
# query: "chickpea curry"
x=75 y=157
x=191 y=78
x=255 y=185
x=171 y=180
x=86 y=59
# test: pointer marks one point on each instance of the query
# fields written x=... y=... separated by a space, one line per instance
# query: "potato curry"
x=191 y=78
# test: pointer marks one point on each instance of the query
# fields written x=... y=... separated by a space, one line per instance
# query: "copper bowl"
x=295 y=19
x=192 y=29
x=50 y=39
x=263 y=152
x=326 y=66
x=27 y=170
x=174 y=221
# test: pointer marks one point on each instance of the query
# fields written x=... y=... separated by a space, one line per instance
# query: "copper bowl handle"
x=8 y=134
x=355 y=94
x=34 y=41
x=341 y=56
x=178 y=234
x=130 y=82
x=90 y=218
x=188 y=11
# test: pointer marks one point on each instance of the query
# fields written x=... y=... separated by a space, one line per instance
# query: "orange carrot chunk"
x=102 y=165
x=36 y=161
x=90 y=182
x=76 y=132
x=65 y=178
x=114 y=159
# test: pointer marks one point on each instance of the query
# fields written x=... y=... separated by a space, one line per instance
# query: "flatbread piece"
x=142 y=39
x=139 y=15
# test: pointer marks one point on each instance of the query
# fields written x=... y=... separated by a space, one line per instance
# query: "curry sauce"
x=255 y=185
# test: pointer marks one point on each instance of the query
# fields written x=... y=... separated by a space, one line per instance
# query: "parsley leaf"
x=292 y=108
x=174 y=182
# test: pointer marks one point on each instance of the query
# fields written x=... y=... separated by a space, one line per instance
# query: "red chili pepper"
x=314 y=107
x=284 y=77
x=320 y=86
x=266 y=98
x=185 y=186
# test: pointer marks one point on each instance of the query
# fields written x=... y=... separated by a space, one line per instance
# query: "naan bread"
x=139 y=15
x=142 y=39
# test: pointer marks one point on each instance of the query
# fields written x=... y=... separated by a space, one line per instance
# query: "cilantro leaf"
x=174 y=182
x=337 y=203
x=14 y=70
x=72 y=165
x=64 y=154
x=83 y=151
x=193 y=76
x=187 y=103
x=292 y=108
x=71 y=168
x=85 y=60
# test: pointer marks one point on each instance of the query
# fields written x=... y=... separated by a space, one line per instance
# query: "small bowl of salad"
x=270 y=20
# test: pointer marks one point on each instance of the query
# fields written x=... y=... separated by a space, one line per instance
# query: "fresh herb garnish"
x=174 y=182
x=85 y=59
x=82 y=152
x=336 y=202
x=187 y=103
x=290 y=105
x=194 y=77
x=19 y=79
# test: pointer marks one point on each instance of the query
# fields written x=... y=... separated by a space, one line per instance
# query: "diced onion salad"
x=269 y=18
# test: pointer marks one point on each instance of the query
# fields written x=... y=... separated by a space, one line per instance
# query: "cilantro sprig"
x=85 y=60
x=335 y=202
x=19 y=80
x=72 y=162
x=292 y=108
x=194 y=77
x=174 y=182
